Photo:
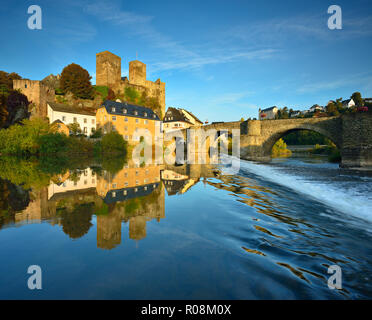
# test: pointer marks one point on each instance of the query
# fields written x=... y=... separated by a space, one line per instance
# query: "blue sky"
x=222 y=60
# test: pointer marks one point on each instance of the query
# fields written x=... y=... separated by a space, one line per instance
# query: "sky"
x=222 y=60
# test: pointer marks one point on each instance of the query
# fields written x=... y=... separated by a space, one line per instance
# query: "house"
x=368 y=101
x=315 y=108
x=295 y=113
x=85 y=117
x=348 y=103
x=59 y=126
x=129 y=120
x=176 y=119
x=268 y=113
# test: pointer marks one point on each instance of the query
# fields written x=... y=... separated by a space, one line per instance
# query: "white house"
x=316 y=107
x=86 y=118
x=176 y=119
x=348 y=103
x=268 y=113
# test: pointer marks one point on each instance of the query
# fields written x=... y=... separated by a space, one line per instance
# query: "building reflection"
x=133 y=196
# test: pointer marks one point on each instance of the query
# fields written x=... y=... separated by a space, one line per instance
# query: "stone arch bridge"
x=352 y=134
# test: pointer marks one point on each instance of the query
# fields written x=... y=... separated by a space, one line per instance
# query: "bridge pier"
x=356 y=150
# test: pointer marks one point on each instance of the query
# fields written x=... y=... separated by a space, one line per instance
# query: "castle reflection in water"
x=133 y=195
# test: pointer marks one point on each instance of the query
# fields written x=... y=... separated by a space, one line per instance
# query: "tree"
x=74 y=128
x=113 y=142
x=357 y=97
x=332 y=109
x=17 y=108
x=76 y=79
x=3 y=110
x=7 y=79
x=242 y=120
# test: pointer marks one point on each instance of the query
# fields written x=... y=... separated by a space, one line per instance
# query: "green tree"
x=357 y=97
x=6 y=79
x=332 y=109
x=113 y=142
x=76 y=79
x=74 y=128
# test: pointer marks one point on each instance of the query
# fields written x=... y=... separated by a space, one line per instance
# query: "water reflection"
x=255 y=230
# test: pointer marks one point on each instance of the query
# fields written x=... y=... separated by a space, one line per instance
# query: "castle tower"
x=137 y=73
x=108 y=69
x=37 y=93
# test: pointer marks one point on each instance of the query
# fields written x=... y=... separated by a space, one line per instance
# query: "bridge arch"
x=329 y=128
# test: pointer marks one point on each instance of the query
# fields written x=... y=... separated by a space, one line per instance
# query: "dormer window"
x=124 y=110
x=154 y=116
x=113 y=109
x=145 y=114
x=135 y=113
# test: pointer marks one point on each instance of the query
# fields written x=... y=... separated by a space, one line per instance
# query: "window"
x=137 y=182
x=105 y=118
x=25 y=85
x=154 y=116
x=145 y=114
x=126 y=119
x=124 y=110
x=93 y=121
x=146 y=121
x=136 y=113
x=114 y=185
x=136 y=130
x=126 y=184
x=126 y=128
x=126 y=137
x=75 y=119
x=85 y=120
x=113 y=194
x=92 y=130
x=137 y=120
x=113 y=109
x=85 y=130
x=113 y=118
x=125 y=192
x=63 y=118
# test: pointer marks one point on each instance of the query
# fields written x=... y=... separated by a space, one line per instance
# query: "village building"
x=176 y=119
x=129 y=120
x=348 y=103
x=268 y=113
x=316 y=108
x=59 y=126
x=86 y=118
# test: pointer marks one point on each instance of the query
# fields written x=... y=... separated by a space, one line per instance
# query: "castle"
x=36 y=92
x=108 y=73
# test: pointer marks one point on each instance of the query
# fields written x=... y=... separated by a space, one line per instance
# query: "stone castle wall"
x=37 y=93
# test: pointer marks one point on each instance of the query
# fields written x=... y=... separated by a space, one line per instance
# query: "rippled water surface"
x=189 y=232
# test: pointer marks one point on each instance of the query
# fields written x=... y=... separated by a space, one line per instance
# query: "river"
x=270 y=231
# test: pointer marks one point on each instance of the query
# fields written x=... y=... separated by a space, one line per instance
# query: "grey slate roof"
x=131 y=109
x=269 y=109
x=71 y=109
